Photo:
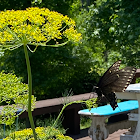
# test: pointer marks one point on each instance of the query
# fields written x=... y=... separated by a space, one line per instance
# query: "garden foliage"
x=14 y=97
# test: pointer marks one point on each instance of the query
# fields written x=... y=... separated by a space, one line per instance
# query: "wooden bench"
x=71 y=120
x=99 y=129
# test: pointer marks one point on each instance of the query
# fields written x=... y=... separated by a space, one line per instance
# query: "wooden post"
x=71 y=120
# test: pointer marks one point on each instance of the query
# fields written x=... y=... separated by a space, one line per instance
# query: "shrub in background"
x=14 y=97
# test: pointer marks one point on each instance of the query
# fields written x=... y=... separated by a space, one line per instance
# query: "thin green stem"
x=58 y=117
x=30 y=90
x=90 y=103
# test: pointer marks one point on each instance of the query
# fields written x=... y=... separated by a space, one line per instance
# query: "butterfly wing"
x=123 y=79
x=119 y=80
x=114 y=68
x=115 y=80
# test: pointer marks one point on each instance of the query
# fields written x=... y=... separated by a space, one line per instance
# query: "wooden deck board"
x=84 y=135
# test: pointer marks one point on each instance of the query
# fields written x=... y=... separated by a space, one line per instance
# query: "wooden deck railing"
x=71 y=117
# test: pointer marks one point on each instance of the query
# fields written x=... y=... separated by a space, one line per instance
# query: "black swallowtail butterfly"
x=114 y=80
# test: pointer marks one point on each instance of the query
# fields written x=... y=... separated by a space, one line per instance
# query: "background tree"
x=115 y=23
x=14 y=4
x=53 y=70
x=60 y=6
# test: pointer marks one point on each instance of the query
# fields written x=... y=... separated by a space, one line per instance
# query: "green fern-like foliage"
x=13 y=97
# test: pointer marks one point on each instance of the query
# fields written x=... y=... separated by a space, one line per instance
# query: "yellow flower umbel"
x=35 y=26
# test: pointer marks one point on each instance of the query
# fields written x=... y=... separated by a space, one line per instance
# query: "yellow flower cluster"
x=35 y=25
x=71 y=33
x=43 y=133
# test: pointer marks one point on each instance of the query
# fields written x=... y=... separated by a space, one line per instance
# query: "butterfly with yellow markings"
x=114 y=80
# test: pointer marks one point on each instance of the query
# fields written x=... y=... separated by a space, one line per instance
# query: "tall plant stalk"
x=30 y=90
